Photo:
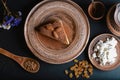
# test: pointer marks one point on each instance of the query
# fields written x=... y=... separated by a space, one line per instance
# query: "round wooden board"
x=38 y=15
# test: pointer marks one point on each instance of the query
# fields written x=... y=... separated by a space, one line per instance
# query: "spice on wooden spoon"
x=26 y=63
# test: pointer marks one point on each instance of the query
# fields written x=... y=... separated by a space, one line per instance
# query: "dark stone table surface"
x=13 y=41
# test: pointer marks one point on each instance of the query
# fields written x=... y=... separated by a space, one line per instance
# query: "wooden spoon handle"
x=11 y=55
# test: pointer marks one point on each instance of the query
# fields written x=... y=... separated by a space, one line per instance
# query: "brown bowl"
x=112 y=26
x=96 y=10
x=47 y=49
x=94 y=62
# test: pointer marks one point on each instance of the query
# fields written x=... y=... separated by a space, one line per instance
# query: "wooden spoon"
x=26 y=63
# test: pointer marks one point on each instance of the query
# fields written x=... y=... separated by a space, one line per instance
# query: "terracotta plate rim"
x=43 y=58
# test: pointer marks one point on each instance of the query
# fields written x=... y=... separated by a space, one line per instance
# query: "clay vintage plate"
x=49 y=50
x=94 y=62
x=111 y=24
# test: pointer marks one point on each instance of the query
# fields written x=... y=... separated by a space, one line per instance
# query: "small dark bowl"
x=96 y=10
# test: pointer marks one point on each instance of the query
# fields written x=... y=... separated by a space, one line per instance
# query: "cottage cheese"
x=105 y=52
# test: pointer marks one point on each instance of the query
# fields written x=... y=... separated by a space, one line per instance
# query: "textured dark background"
x=13 y=40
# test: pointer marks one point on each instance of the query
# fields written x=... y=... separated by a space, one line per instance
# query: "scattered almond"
x=80 y=68
x=50 y=27
x=55 y=35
